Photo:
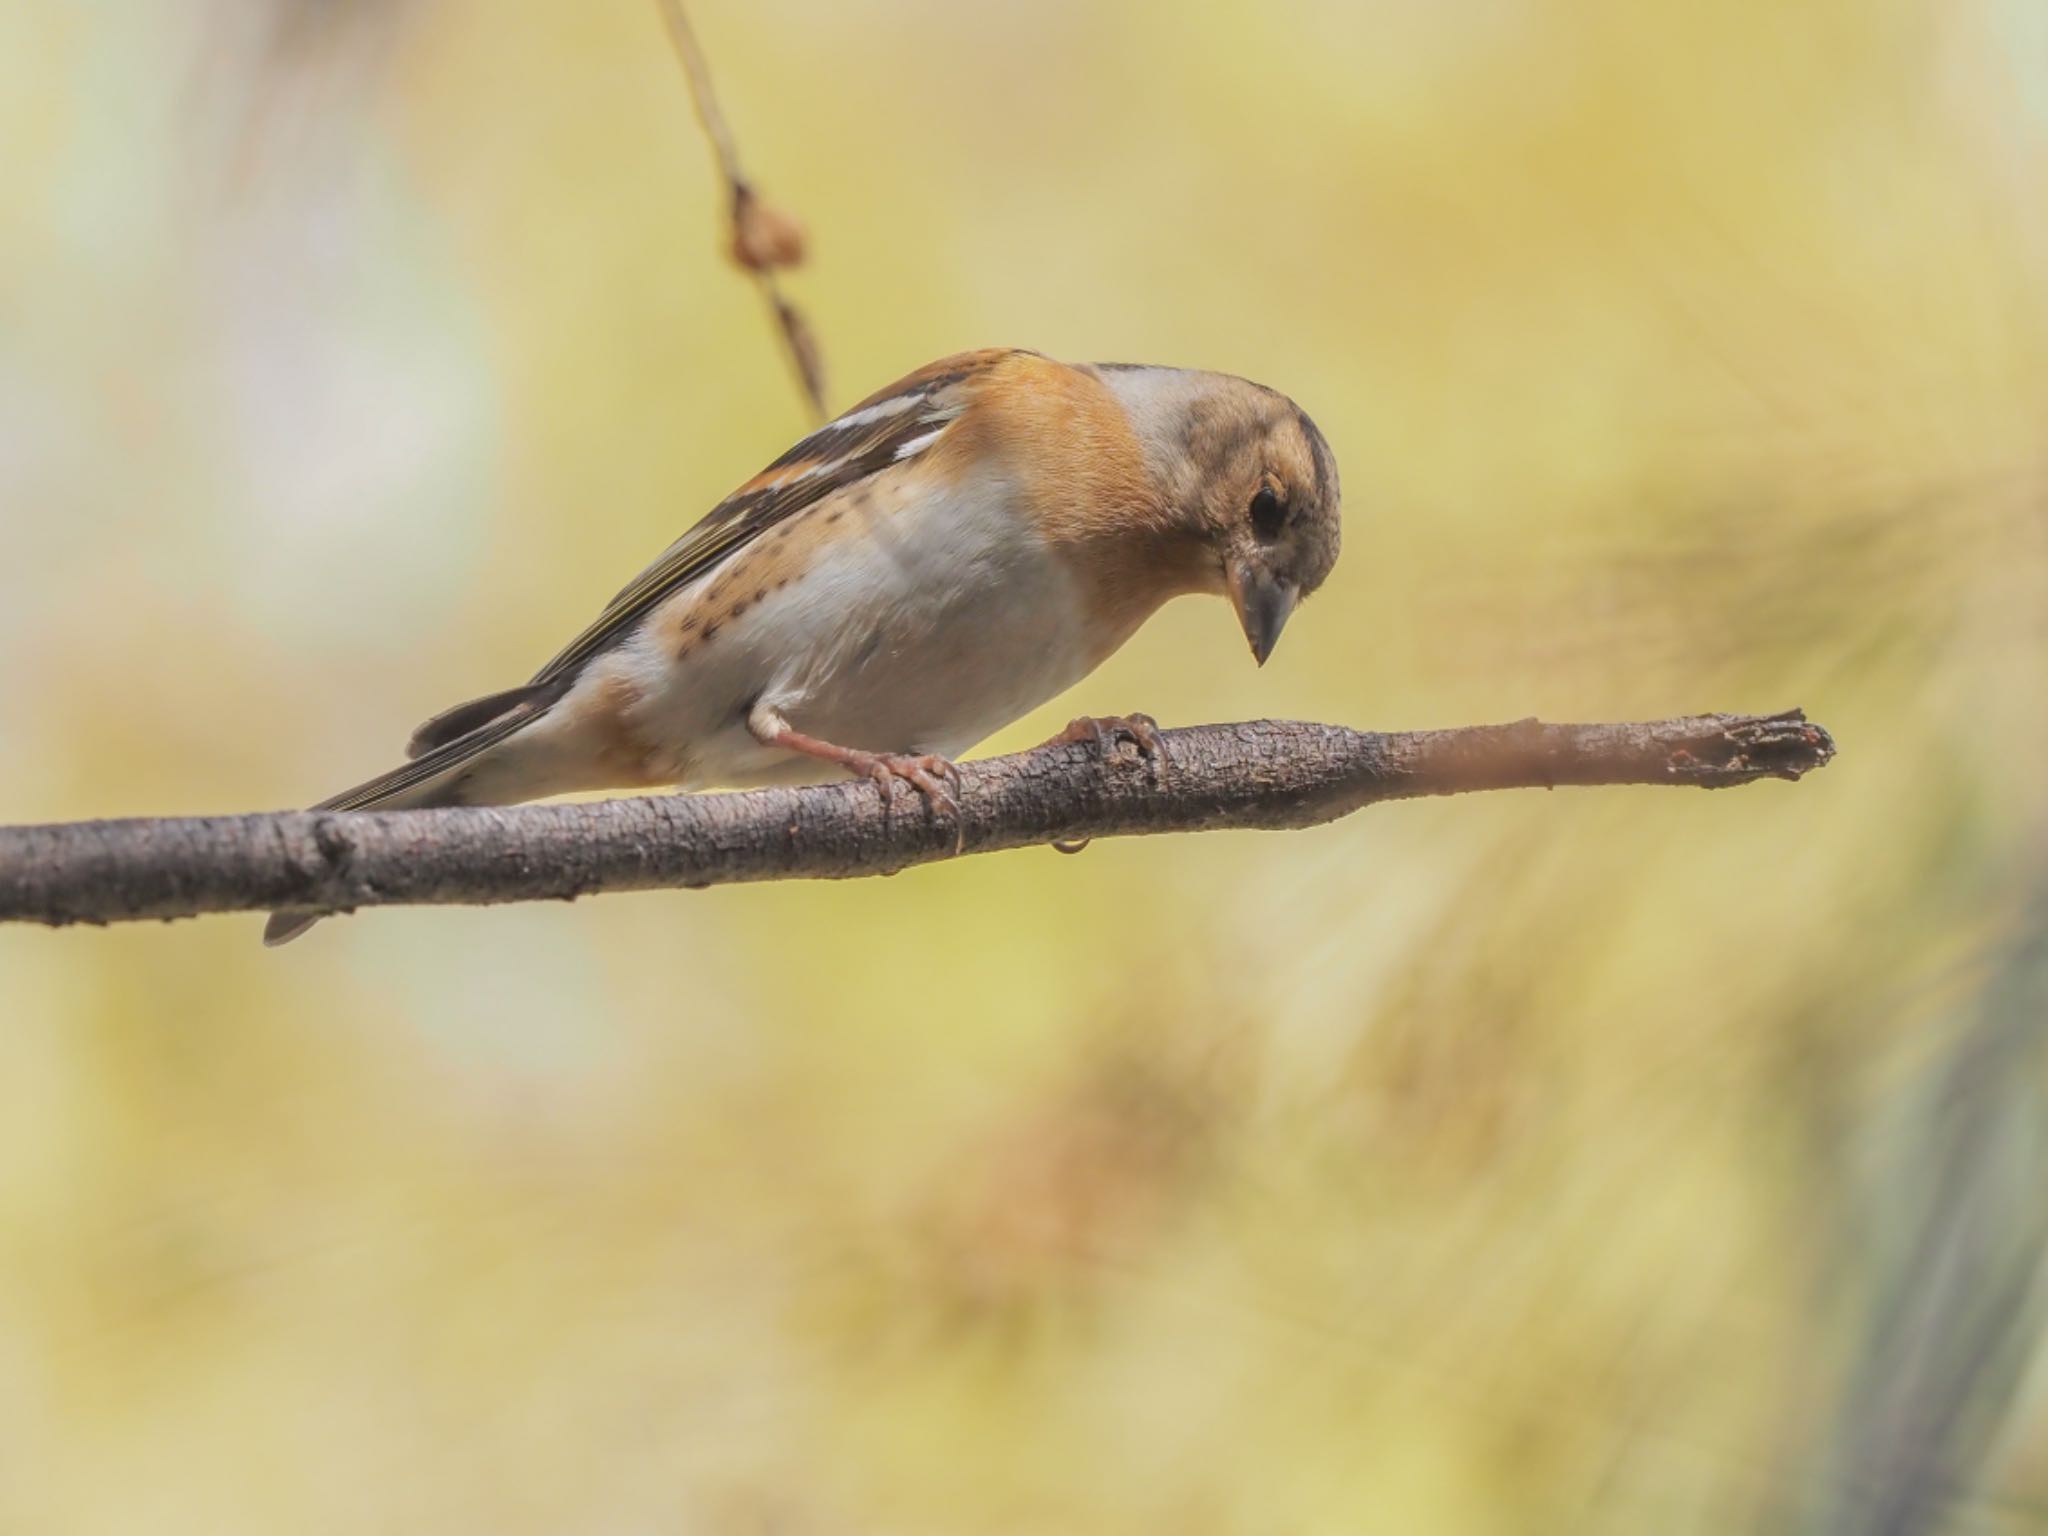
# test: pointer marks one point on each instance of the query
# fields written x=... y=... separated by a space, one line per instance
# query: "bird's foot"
x=1103 y=732
x=934 y=777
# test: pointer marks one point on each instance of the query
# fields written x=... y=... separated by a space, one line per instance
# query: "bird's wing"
x=887 y=427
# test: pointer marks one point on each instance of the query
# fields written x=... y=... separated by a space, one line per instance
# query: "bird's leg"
x=934 y=777
x=1103 y=732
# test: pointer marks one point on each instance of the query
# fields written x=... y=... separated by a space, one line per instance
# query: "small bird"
x=949 y=554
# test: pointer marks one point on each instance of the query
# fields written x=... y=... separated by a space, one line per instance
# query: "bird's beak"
x=1263 y=603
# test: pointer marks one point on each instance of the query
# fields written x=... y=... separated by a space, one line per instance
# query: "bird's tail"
x=434 y=777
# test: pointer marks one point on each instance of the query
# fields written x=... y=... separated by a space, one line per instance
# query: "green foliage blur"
x=1608 y=1161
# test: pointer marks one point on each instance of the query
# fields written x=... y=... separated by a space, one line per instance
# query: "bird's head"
x=1247 y=473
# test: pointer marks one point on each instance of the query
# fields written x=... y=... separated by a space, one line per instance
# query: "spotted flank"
x=895 y=424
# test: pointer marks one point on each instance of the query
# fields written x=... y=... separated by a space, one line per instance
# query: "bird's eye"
x=1269 y=514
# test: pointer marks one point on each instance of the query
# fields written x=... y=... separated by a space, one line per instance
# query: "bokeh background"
x=1609 y=1161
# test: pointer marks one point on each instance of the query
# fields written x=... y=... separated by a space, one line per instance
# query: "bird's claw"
x=1103 y=732
x=935 y=778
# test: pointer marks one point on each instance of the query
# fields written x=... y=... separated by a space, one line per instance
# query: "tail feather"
x=429 y=779
x=283 y=927
x=459 y=720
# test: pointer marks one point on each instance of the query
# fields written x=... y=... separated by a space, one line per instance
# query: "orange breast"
x=1064 y=437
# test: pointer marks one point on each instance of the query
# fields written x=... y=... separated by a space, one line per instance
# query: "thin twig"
x=763 y=237
x=1271 y=774
x=702 y=96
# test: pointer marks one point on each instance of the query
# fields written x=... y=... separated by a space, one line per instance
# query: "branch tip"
x=1782 y=746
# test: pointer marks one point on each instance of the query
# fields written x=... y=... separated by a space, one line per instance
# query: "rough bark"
x=1264 y=774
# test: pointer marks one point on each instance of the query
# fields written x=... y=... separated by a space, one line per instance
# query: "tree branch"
x=1267 y=773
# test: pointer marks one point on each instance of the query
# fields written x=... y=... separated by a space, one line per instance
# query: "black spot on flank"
x=739 y=608
x=710 y=630
x=835 y=514
x=759 y=593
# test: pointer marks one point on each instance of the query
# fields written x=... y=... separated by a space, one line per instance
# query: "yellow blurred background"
x=1611 y=1161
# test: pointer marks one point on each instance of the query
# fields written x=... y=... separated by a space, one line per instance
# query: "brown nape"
x=1326 y=486
x=1319 y=532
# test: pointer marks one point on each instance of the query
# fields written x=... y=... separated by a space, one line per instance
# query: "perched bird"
x=942 y=559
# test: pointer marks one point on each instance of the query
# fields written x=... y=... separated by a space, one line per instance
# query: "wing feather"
x=889 y=425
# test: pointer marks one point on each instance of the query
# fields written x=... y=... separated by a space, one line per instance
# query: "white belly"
x=923 y=631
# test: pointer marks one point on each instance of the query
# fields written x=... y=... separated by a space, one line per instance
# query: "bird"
x=955 y=550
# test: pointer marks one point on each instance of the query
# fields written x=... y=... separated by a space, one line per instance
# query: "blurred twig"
x=764 y=237
x=1269 y=774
